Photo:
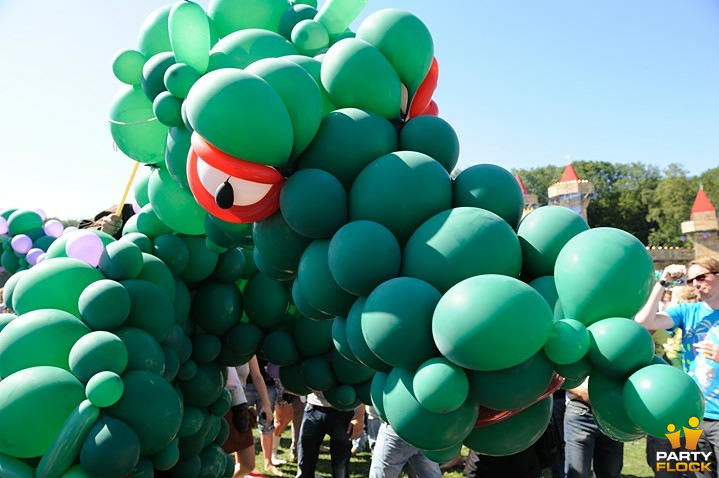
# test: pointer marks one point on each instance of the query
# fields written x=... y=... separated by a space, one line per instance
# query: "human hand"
x=110 y=224
x=265 y=415
x=673 y=272
x=355 y=428
x=708 y=349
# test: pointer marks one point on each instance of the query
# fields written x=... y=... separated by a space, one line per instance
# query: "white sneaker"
x=277 y=461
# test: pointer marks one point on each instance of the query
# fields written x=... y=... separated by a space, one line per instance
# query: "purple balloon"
x=32 y=255
x=21 y=243
x=84 y=245
x=3 y=226
x=53 y=228
x=41 y=258
x=69 y=229
x=136 y=208
x=41 y=213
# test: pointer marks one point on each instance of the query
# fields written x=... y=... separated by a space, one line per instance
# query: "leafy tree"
x=537 y=180
x=671 y=205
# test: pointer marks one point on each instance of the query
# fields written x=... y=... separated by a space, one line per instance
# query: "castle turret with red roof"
x=531 y=201
x=702 y=226
x=571 y=192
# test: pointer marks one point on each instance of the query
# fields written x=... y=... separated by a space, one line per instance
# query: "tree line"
x=646 y=201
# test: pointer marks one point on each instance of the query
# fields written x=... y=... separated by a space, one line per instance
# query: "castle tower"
x=531 y=201
x=571 y=192
x=702 y=226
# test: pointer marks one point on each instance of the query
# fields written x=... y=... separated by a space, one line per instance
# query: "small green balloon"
x=343 y=76
x=205 y=348
x=168 y=109
x=490 y=187
x=280 y=348
x=153 y=73
x=339 y=339
x=230 y=266
x=172 y=251
x=150 y=308
x=527 y=380
x=317 y=284
x=349 y=372
x=658 y=396
x=121 y=260
x=292 y=16
x=404 y=40
x=23 y=220
x=313 y=337
x=310 y=37
x=440 y=386
x=356 y=341
x=619 y=347
x=396 y=322
x=96 y=352
x=317 y=373
x=112 y=448
x=143 y=351
x=104 y=305
x=401 y=191
x=292 y=379
x=104 y=389
x=177 y=208
x=205 y=386
x=575 y=371
x=278 y=244
x=244 y=338
x=179 y=79
x=314 y=203
x=202 y=260
x=347 y=141
x=568 y=342
x=362 y=255
x=432 y=136
x=127 y=66
x=461 y=243
x=266 y=300
x=542 y=234
x=603 y=272
x=217 y=307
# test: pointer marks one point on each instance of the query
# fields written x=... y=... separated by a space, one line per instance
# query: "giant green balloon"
x=314 y=203
x=53 y=284
x=229 y=16
x=619 y=347
x=568 y=342
x=313 y=66
x=542 y=234
x=22 y=221
x=603 y=272
x=527 y=381
x=397 y=322
x=104 y=305
x=348 y=140
x=299 y=93
x=151 y=407
x=344 y=77
x=134 y=128
x=490 y=187
x=42 y=399
x=440 y=386
x=418 y=426
x=96 y=352
x=242 y=115
x=432 y=136
x=401 y=191
x=40 y=337
x=317 y=284
x=217 y=307
x=404 y=40
x=513 y=434
x=174 y=206
x=362 y=255
x=461 y=243
x=657 y=396
x=111 y=449
x=475 y=323
x=189 y=31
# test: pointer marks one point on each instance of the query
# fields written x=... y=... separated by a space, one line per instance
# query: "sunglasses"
x=700 y=278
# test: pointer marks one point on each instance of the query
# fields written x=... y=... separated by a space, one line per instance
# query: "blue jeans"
x=318 y=422
x=584 y=443
x=391 y=453
x=253 y=400
x=558 y=415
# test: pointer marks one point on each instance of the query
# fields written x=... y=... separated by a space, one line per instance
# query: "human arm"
x=356 y=425
x=648 y=316
x=582 y=391
x=259 y=382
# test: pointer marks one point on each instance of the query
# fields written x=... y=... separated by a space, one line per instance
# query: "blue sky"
x=524 y=83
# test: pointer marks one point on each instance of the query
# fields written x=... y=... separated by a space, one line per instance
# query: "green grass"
x=635 y=465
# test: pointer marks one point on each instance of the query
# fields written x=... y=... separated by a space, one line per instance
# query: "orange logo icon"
x=691 y=435
x=688 y=459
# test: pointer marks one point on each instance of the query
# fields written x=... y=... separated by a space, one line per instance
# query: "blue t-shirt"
x=698 y=323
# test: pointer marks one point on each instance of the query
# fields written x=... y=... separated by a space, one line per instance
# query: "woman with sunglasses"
x=699 y=322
